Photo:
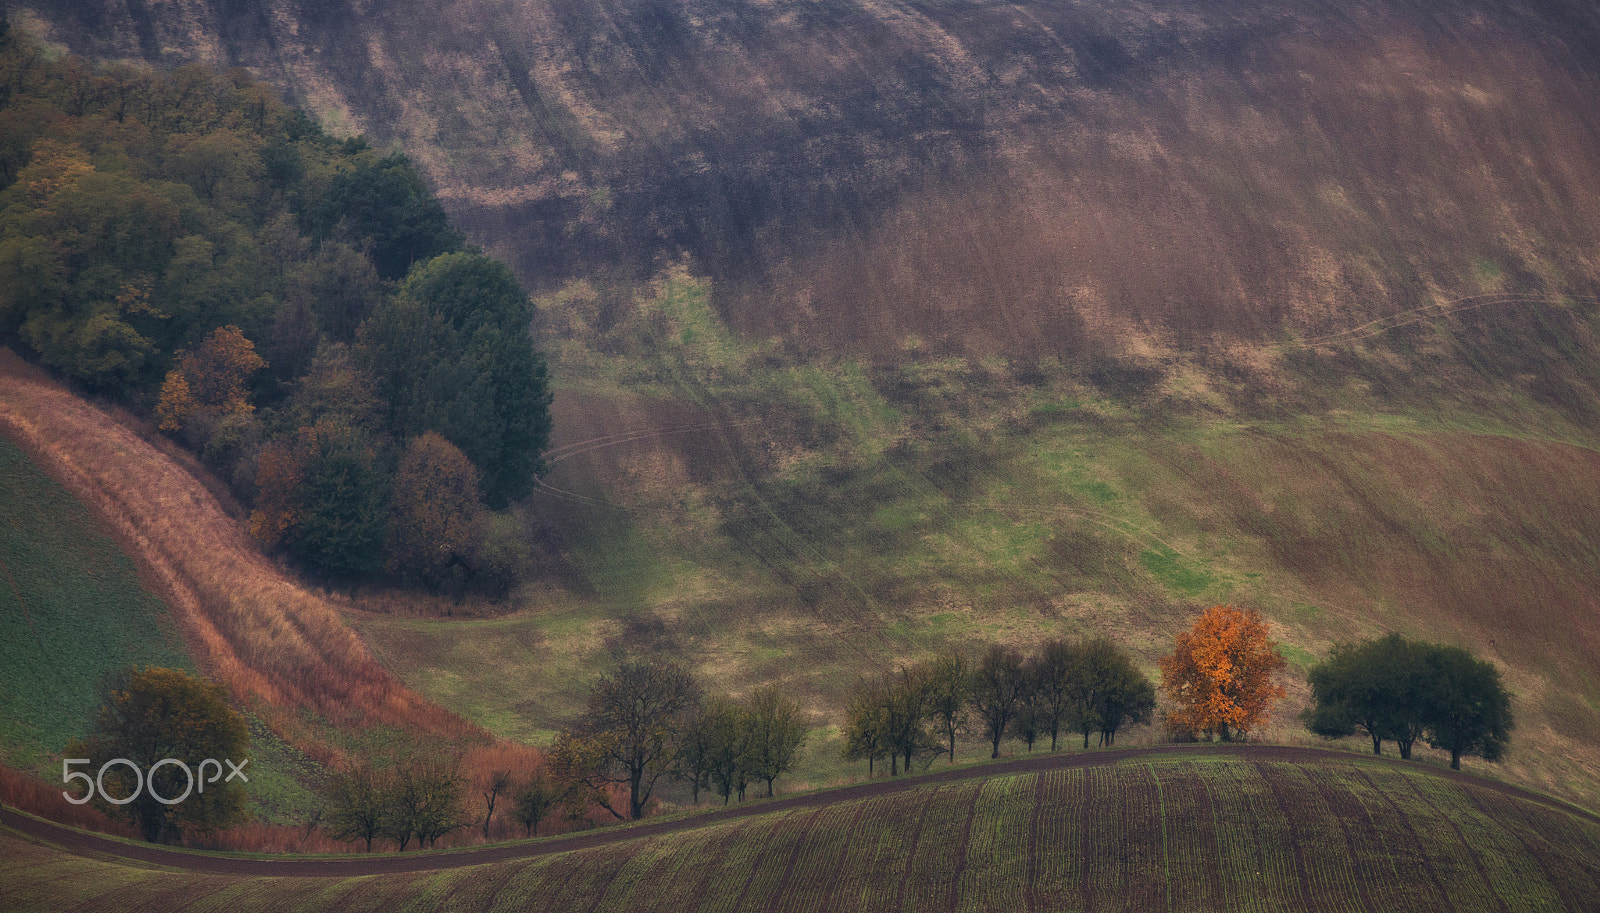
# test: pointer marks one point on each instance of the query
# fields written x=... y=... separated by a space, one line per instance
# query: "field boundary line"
x=349 y=865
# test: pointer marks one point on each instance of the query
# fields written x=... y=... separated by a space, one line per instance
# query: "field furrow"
x=1063 y=802
x=940 y=845
x=1567 y=856
x=1505 y=860
x=1388 y=840
x=995 y=877
x=876 y=840
x=1192 y=850
x=634 y=874
x=566 y=883
x=480 y=892
x=1460 y=870
x=777 y=858
x=1146 y=855
x=816 y=870
x=1105 y=843
x=1324 y=850
x=732 y=872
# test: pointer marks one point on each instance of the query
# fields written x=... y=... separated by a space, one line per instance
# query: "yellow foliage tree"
x=209 y=379
x=1222 y=674
x=280 y=472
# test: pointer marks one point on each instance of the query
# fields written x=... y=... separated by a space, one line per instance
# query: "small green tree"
x=865 y=729
x=724 y=734
x=340 y=526
x=152 y=717
x=1468 y=710
x=774 y=731
x=1052 y=669
x=1126 y=696
x=535 y=800
x=948 y=680
x=358 y=801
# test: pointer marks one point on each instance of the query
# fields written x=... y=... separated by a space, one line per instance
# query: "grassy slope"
x=764 y=520
x=83 y=613
x=985 y=252
x=72 y=610
x=1181 y=831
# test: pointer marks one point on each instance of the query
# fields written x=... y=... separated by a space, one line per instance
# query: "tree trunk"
x=1086 y=739
x=1377 y=745
x=1405 y=749
x=635 y=807
x=1455 y=759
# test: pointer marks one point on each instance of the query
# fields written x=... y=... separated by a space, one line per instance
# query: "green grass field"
x=1187 y=830
x=765 y=522
x=72 y=609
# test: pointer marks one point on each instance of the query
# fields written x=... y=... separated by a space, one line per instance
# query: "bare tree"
x=358 y=803
x=947 y=696
x=774 y=730
x=426 y=801
x=997 y=687
x=498 y=782
x=630 y=733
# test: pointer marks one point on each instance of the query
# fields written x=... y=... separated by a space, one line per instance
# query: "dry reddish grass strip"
x=246 y=624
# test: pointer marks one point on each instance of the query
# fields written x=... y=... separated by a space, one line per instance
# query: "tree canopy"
x=187 y=244
x=1377 y=686
x=1394 y=688
x=1222 y=674
x=1468 y=709
x=153 y=714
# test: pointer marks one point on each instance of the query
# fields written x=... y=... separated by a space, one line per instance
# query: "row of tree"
x=420 y=798
x=294 y=307
x=653 y=720
x=1400 y=690
x=916 y=712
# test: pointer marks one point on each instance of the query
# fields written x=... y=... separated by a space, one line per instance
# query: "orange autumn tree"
x=1223 y=674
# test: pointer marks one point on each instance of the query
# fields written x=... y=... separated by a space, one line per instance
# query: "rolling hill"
x=881 y=326
x=1196 y=829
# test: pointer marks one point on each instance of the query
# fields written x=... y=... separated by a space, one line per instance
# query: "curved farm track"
x=85 y=843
